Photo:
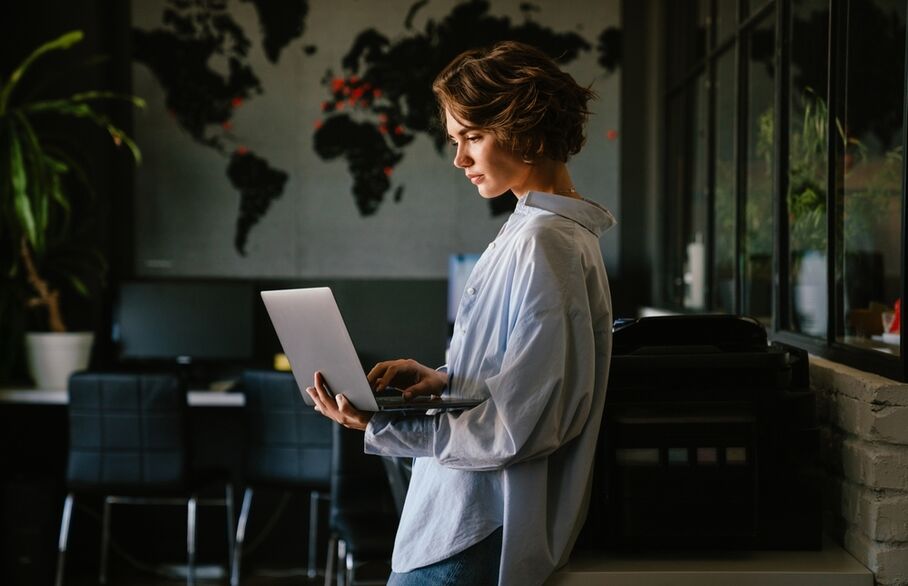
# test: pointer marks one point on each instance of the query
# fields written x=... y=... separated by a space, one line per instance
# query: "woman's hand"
x=411 y=377
x=337 y=408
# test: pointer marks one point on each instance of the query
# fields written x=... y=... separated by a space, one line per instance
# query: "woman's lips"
x=476 y=179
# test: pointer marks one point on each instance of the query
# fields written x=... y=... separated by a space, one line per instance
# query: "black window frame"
x=894 y=367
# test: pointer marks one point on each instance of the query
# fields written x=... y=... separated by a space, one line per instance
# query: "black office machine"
x=709 y=439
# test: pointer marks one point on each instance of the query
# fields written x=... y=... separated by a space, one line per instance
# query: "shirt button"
x=491 y=245
x=471 y=291
x=463 y=330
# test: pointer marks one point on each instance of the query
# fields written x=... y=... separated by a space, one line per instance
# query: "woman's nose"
x=461 y=159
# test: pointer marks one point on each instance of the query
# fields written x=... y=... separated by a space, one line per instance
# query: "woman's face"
x=490 y=167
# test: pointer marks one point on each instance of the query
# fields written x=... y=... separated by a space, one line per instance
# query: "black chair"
x=288 y=447
x=363 y=513
x=128 y=442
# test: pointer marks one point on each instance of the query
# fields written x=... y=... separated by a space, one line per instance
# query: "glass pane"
x=725 y=201
x=757 y=244
x=726 y=19
x=807 y=145
x=686 y=24
x=695 y=209
x=868 y=266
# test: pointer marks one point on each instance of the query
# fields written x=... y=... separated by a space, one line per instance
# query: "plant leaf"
x=40 y=180
x=78 y=285
x=120 y=137
x=62 y=158
x=83 y=97
x=64 y=41
x=83 y=110
x=105 y=95
x=19 y=182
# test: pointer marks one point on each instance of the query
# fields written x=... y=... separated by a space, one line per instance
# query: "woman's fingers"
x=350 y=416
x=376 y=373
x=423 y=387
x=337 y=407
x=384 y=374
x=386 y=378
x=380 y=370
x=316 y=399
x=345 y=407
x=426 y=386
x=324 y=401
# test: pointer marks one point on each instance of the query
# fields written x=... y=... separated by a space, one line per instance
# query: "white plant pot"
x=810 y=294
x=53 y=357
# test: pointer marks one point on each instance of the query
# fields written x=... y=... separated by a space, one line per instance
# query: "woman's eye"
x=474 y=138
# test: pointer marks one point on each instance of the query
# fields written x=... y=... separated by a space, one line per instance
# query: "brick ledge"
x=856 y=384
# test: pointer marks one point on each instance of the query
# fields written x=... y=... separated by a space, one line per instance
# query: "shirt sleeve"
x=402 y=436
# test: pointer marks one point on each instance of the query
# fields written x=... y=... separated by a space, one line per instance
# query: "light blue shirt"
x=533 y=337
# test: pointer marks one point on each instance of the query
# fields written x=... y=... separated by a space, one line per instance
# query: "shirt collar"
x=589 y=214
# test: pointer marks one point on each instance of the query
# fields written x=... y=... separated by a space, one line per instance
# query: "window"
x=869 y=176
x=784 y=172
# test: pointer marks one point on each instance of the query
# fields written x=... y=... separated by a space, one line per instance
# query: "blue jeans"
x=475 y=566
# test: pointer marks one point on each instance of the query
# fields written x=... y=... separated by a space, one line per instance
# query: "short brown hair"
x=520 y=95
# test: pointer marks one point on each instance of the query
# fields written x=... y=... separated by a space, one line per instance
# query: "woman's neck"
x=548 y=176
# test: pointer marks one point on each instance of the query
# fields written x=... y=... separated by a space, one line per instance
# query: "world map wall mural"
x=300 y=138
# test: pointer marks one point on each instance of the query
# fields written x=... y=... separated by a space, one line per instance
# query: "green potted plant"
x=42 y=255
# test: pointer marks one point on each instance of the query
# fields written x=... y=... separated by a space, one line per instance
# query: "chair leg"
x=349 y=579
x=231 y=534
x=341 y=559
x=190 y=540
x=105 y=540
x=329 y=563
x=240 y=537
x=64 y=537
x=314 y=496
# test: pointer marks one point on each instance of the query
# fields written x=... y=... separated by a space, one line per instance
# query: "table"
x=195 y=398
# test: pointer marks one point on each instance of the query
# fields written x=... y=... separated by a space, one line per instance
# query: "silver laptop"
x=314 y=338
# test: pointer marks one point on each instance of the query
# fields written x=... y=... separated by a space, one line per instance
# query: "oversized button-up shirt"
x=532 y=336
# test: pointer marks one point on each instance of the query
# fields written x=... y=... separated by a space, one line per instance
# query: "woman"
x=499 y=493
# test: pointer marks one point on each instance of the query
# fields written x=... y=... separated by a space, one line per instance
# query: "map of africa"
x=377 y=98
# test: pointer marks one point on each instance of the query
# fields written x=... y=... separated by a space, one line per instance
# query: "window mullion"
x=741 y=164
x=833 y=181
x=709 y=237
x=903 y=354
x=781 y=251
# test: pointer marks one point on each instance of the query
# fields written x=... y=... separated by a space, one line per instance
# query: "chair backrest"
x=127 y=432
x=287 y=442
x=359 y=484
